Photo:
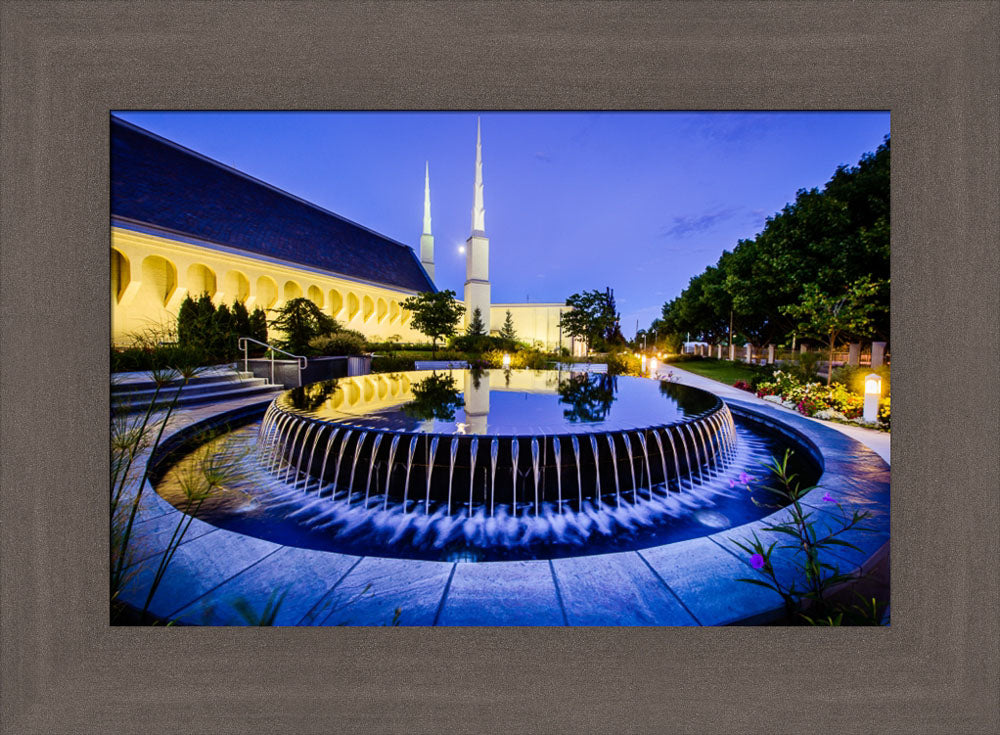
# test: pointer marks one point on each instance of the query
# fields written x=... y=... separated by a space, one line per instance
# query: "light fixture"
x=643 y=363
x=652 y=366
x=873 y=392
x=506 y=361
x=461 y=248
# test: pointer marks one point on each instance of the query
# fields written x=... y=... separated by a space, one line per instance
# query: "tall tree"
x=829 y=316
x=589 y=316
x=435 y=315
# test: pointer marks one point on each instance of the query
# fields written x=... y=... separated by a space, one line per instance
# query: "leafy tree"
x=476 y=326
x=507 y=332
x=301 y=320
x=613 y=332
x=591 y=316
x=435 y=315
x=827 y=316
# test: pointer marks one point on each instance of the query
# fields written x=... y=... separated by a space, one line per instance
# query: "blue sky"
x=638 y=201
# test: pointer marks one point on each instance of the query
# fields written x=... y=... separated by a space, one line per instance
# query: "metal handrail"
x=303 y=361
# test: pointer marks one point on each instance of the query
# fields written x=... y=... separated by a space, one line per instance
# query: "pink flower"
x=757 y=561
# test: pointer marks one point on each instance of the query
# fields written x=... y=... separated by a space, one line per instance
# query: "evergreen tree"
x=241 y=320
x=187 y=322
x=258 y=326
x=476 y=328
x=300 y=321
x=507 y=331
x=223 y=334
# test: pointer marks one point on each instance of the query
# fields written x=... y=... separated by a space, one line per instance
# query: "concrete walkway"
x=877 y=441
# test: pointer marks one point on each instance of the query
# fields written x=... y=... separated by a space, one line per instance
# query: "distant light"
x=506 y=360
x=652 y=366
x=461 y=248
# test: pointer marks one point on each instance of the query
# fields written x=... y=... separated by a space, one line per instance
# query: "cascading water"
x=355 y=451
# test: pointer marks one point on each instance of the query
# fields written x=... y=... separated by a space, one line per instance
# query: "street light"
x=652 y=367
x=873 y=392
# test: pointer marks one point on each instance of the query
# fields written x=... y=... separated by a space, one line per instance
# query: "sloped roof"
x=162 y=184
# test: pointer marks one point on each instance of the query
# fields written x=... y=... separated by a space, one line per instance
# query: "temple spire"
x=426 y=238
x=427 y=198
x=478 y=212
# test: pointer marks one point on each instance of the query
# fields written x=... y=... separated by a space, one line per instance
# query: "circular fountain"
x=482 y=439
x=490 y=465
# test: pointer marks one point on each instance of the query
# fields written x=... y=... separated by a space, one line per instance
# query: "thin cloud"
x=543 y=157
x=684 y=226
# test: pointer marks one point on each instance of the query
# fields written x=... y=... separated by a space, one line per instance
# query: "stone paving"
x=687 y=583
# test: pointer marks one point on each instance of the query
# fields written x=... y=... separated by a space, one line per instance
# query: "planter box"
x=286 y=372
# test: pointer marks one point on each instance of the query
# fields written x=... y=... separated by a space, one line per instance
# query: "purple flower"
x=745 y=478
x=757 y=561
x=732 y=483
x=827 y=498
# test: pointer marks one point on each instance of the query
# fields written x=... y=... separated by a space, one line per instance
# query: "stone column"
x=770 y=354
x=802 y=348
x=718 y=352
x=732 y=352
x=854 y=354
x=749 y=353
x=878 y=354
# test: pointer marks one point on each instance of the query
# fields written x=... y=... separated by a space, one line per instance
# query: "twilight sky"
x=639 y=201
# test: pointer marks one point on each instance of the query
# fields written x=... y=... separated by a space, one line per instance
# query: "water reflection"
x=589 y=396
x=435 y=397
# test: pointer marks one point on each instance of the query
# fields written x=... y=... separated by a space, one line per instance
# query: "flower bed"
x=830 y=402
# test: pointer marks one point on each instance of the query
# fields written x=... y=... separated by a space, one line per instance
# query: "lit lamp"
x=506 y=361
x=652 y=366
x=643 y=363
x=873 y=392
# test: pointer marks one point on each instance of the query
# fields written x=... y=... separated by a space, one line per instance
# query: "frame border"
x=66 y=64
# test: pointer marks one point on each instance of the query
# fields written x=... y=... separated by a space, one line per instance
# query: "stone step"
x=149 y=385
x=223 y=393
x=167 y=392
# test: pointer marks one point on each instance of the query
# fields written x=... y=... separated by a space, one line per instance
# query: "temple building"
x=183 y=224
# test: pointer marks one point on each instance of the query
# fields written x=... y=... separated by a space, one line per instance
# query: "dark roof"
x=159 y=183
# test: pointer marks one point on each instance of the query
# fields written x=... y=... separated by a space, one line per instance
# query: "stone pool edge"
x=691 y=582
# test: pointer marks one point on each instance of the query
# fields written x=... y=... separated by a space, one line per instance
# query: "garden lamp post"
x=873 y=392
x=652 y=367
x=506 y=361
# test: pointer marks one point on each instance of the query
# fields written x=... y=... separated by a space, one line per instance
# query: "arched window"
x=236 y=286
x=201 y=279
x=121 y=274
x=159 y=279
x=267 y=292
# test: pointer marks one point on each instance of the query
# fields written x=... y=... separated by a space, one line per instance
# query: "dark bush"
x=391 y=364
x=344 y=342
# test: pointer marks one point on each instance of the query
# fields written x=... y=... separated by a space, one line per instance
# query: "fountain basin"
x=514 y=437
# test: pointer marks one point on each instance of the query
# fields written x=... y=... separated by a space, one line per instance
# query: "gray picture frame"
x=66 y=64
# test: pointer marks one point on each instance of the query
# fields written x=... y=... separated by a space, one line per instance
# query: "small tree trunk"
x=829 y=367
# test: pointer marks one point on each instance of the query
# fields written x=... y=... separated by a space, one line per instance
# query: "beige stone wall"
x=151 y=275
x=534 y=324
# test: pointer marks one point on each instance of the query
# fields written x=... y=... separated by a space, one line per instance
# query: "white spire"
x=427 y=198
x=478 y=212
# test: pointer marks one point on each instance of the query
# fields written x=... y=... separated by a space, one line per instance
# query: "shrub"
x=744 y=385
x=344 y=342
x=476 y=343
x=524 y=359
x=624 y=363
x=804 y=368
x=391 y=364
x=853 y=377
x=883 y=411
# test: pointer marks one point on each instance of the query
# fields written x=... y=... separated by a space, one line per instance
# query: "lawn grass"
x=722 y=370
